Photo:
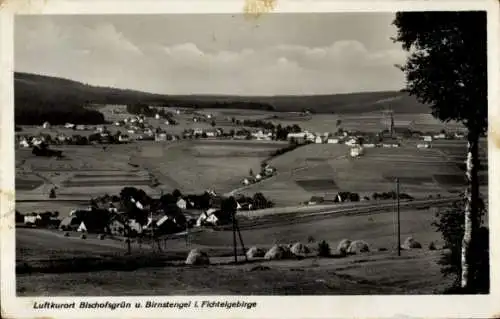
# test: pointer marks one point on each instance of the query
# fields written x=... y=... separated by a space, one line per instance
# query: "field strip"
x=288 y=218
x=328 y=209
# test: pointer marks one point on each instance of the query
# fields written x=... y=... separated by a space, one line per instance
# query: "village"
x=139 y=215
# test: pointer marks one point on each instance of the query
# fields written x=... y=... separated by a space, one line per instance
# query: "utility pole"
x=398 y=217
x=234 y=237
x=241 y=238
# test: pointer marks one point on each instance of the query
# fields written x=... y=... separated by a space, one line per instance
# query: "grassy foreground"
x=415 y=272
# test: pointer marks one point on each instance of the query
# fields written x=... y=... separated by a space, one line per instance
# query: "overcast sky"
x=215 y=54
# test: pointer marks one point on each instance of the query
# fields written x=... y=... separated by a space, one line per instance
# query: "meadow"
x=326 y=169
x=194 y=166
x=375 y=272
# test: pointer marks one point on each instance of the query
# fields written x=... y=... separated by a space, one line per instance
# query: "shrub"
x=323 y=249
x=432 y=246
x=450 y=223
x=310 y=239
x=83 y=236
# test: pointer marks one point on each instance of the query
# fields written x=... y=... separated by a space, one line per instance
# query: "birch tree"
x=446 y=68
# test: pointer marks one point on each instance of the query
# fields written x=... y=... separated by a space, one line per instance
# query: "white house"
x=356 y=151
x=61 y=138
x=207 y=217
x=161 y=137
x=333 y=141
x=210 y=134
x=167 y=122
x=370 y=145
x=46 y=125
x=318 y=140
x=181 y=203
x=131 y=131
x=69 y=125
x=31 y=219
x=425 y=145
x=459 y=135
x=310 y=136
x=258 y=177
x=197 y=131
x=395 y=145
x=36 y=141
x=440 y=136
x=123 y=139
x=82 y=228
x=24 y=143
x=81 y=127
x=351 y=142
x=427 y=138
x=296 y=135
x=245 y=181
x=157 y=116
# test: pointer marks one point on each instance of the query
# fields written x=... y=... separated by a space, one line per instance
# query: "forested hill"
x=39 y=96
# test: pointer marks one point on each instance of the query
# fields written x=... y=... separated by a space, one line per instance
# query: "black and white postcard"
x=249 y=159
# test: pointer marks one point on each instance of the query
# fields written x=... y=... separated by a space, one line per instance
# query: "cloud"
x=102 y=55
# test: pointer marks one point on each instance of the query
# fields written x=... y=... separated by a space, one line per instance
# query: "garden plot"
x=27 y=182
x=318 y=185
x=457 y=180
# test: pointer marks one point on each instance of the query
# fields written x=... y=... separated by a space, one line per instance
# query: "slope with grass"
x=39 y=98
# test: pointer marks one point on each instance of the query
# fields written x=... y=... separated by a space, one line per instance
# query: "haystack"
x=343 y=246
x=277 y=252
x=255 y=252
x=197 y=257
x=299 y=249
x=411 y=243
x=358 y=246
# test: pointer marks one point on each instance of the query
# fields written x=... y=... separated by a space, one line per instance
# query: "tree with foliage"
x=452 y=232
x=177 y=193
x=447 y=70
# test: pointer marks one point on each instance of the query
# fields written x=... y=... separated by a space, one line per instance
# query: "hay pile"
x=358 y=246
x=343 y=246
x=197 y=257
x=255 y=252
x=411 y=243
x=277 y=252
x=300 y=250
